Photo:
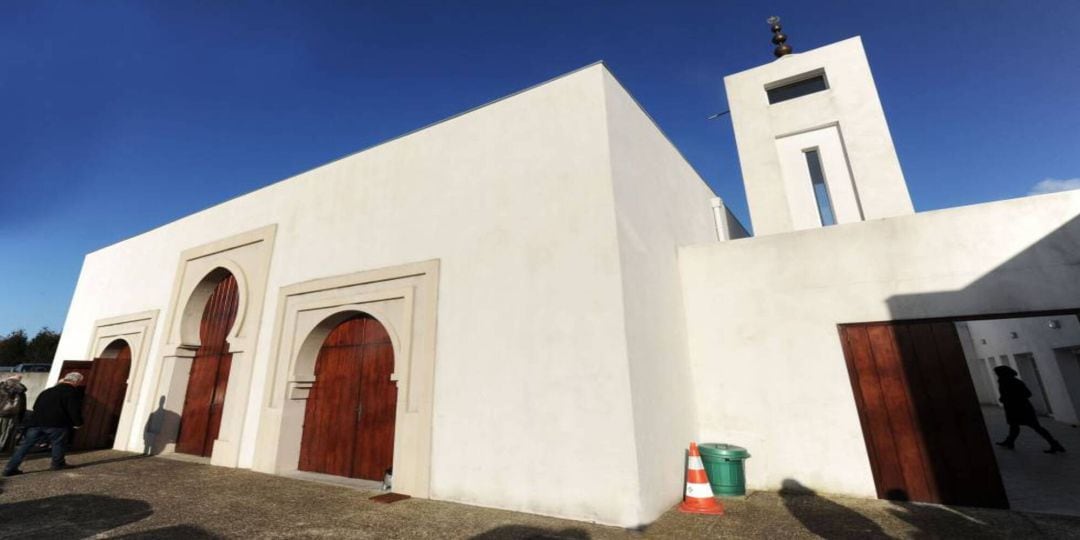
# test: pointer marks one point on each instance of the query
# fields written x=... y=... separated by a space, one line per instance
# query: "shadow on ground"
x=523 y=532
x=104 y=461
x=165 y=498
x=46 y=457
x=829 y=519
x=176 y=532
x=824 y=517
x=69 y=516
x=933 y=521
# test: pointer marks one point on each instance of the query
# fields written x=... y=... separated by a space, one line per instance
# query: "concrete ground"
x=1035 y=481
x=112 y=494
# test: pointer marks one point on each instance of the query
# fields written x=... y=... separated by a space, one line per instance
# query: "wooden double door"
x=208 y=379
x=104 y=388
x=350 y=412
x=921 y=420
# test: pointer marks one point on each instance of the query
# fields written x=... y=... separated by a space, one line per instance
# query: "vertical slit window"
x=821 y=191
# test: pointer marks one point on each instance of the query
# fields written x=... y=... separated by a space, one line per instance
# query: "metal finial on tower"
x=778 y=38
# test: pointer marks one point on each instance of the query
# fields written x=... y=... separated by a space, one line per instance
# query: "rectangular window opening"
x=821 y=191
x=799 y=88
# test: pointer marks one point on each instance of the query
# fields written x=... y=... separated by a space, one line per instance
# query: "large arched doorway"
x=105 y=388
x=209 y=375
x=350 y=412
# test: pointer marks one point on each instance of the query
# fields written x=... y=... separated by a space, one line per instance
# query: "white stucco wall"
x=1034 y=336
x=532 y=391
x=660 y=203
x=846 y=121
x=762 y=315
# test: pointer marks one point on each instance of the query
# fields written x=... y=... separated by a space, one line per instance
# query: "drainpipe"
x=720 y=217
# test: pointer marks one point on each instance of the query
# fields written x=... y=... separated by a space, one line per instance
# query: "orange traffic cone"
x=699 y=495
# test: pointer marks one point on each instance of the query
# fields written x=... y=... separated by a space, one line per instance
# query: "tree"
x=42 y=348
x=13 y=348
x=16 y=349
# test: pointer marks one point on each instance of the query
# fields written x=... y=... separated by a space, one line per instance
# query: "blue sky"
x=122 y=116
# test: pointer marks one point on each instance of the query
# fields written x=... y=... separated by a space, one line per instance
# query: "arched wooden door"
x=105 y=388
x=209 y=375
x=350 y=413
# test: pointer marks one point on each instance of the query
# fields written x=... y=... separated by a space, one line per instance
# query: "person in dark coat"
x=12 y=410
x=1018 y=409
x=56 y=410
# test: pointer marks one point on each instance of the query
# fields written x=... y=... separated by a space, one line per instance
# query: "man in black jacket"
x=56 y=411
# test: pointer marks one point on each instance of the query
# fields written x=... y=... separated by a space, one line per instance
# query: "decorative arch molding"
x=187 y=335
x=381 y=307
x=112 y=350
x=404 y=299
x=137 y=330
x=247 y=257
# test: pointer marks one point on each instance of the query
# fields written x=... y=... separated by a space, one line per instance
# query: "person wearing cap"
x=1015 y=398
x=56 y=411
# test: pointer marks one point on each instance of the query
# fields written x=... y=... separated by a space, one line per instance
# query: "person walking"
x=1019 y=411
x=56 y=410
x=12 y=410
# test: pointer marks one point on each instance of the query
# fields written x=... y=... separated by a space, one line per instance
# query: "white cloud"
x=1051 y=185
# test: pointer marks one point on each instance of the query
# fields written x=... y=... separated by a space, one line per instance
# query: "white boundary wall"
x=660 y=203
x=762 y=315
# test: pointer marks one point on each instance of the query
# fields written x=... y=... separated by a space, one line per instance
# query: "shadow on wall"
x=175 y=532
x=522 y=532
x=161 y=428
x=1044 y=276
x=70 y=516
x=960 y=464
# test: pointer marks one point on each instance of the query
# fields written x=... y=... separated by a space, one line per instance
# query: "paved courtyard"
x=1034 y=480
x=112 y=494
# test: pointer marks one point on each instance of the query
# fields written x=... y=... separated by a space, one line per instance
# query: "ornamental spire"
x=778 y=38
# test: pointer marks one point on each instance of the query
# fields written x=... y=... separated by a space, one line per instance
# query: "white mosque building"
x=536 y=305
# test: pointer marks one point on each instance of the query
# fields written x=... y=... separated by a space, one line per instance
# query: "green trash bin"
x=724 y=467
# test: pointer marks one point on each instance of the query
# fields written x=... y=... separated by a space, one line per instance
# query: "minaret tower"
x=813 y=143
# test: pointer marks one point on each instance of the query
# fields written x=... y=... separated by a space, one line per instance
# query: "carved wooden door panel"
x=103 y=399
x=350 y=412
x=920 y=415
x=209 y=375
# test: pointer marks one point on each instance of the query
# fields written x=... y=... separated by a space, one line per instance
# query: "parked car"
x=32 y=368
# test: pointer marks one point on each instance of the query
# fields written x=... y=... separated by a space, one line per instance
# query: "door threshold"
x=358 y=484
x=187 y=458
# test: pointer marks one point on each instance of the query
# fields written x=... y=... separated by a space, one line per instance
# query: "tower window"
x=821 y=191
x=798 y=88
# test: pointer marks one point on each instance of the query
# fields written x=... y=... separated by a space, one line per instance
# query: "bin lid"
x=723 y=450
